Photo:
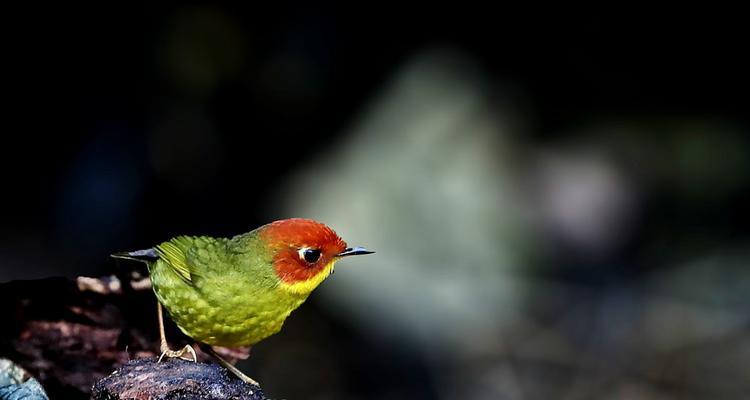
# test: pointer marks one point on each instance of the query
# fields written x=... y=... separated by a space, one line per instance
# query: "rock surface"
x=173 y=379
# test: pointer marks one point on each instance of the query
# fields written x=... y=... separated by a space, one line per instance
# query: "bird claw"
x=249 y=380
x=179 y=354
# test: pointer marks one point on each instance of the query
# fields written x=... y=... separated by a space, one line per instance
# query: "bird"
x=235 y=292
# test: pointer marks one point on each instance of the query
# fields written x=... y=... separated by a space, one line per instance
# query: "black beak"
x=357 y=251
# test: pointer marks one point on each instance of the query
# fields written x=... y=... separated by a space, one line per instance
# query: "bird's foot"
x=245 y=378
x=181 y=354
x=226 y=364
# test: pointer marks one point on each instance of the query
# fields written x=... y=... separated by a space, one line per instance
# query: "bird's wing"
x=187 y=255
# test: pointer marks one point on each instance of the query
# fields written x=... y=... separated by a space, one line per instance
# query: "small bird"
x=235 y=292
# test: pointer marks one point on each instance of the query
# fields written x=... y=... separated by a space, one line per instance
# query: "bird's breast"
x=224 y=310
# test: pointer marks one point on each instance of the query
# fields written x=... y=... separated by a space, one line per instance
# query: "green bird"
x=235 y=292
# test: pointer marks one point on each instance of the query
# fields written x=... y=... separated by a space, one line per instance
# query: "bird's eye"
x=309 y=255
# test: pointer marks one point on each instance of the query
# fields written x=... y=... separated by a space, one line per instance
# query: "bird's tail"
x=147 y=255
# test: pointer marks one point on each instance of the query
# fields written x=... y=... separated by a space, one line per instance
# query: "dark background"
x=128 y=125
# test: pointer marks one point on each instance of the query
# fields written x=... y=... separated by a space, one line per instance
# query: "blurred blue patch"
x=15 y=384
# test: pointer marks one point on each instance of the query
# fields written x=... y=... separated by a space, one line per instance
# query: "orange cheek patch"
x=291 y=269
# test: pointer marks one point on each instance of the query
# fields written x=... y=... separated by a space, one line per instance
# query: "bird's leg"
x=226 y=364
x=164 y=346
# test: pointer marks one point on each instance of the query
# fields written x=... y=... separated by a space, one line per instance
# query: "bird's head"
x=304 y=252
